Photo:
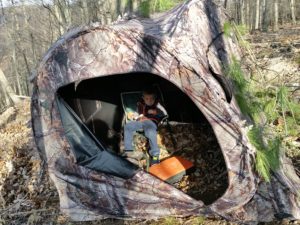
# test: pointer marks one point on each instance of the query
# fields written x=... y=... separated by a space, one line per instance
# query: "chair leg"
x=147 y=162
x=172 y=136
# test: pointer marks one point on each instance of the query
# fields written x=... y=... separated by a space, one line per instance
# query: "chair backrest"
x=129 y=102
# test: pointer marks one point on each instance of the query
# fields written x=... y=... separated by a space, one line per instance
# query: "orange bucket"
x=172 y=169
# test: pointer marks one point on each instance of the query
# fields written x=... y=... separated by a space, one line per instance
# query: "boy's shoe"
x=133 y=154
x=134 y=161
x=154 y=160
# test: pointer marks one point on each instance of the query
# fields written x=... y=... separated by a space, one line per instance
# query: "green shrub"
x=147 y=7
x=267 y=155
x=272 y=111
x=297 y=59
x=163 y=5
x=263 y=107
x=227 y=28
x=199 y=220
x=169 y=221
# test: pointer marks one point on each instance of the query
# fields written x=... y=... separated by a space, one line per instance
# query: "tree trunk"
x=253 y=14
x=9 y=95
x=67 y=14
x=17 y=76
x=266 y=16
x=59 y=17
x=248 y=15
x=51 y=32
x=280 y=12
x=257 y=15
x=238 y=10
x=261 y=10
x=26 y=88
x=225 y=4
x=30 y=35
x=292 y=6
x=275 y=15
x=243 y=12
x=2 y=9
x=84 y=12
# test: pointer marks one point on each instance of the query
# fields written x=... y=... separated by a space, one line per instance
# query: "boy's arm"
x=139 y=108
x=161 y=111
x=139 y=111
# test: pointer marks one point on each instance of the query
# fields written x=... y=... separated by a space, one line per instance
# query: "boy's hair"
x=149 y=91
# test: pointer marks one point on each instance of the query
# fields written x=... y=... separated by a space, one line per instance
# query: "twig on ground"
x=29 y=212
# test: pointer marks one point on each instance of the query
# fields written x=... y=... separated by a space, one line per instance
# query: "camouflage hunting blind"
x=76 y=114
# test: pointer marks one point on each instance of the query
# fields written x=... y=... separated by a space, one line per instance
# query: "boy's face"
x=149 y=99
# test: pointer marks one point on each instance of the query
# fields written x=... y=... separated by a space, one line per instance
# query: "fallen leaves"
x=196 y=143
x=24 y=193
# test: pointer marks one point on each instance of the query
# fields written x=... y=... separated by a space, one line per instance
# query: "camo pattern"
x=186 y=47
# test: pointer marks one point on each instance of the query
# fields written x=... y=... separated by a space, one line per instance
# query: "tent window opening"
x=97 y=103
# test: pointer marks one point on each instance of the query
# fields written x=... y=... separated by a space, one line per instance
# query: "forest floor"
x=27 y=195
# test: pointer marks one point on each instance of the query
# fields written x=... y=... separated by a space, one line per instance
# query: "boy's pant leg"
x=150 y=130
x=129 y=130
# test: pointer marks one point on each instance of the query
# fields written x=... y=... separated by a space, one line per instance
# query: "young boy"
x=150 y=113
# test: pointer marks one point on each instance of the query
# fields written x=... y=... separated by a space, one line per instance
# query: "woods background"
x=29 y=27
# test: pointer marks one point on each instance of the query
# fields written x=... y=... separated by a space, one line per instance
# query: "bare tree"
x=243 y=5
x=248 y=15
x=84 y=11
x=225 y=4
x=257 y=11
x=59 y=16
x=292 y=6
x=261 y=14
x=275 y=15
x=29 y=30
x=7 y=97
x=266 y=16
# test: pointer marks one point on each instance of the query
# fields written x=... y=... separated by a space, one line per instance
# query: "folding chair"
x=129 y=103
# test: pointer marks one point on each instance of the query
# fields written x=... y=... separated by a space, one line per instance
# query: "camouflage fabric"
x=186 y=47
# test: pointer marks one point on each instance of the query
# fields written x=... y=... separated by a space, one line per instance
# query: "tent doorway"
x=98 y=104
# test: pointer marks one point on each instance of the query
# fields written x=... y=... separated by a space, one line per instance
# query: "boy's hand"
x=132 y=115
x=141 y=117
x=151 y=111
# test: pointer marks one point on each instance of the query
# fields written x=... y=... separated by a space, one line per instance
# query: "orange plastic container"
x=172 y=169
